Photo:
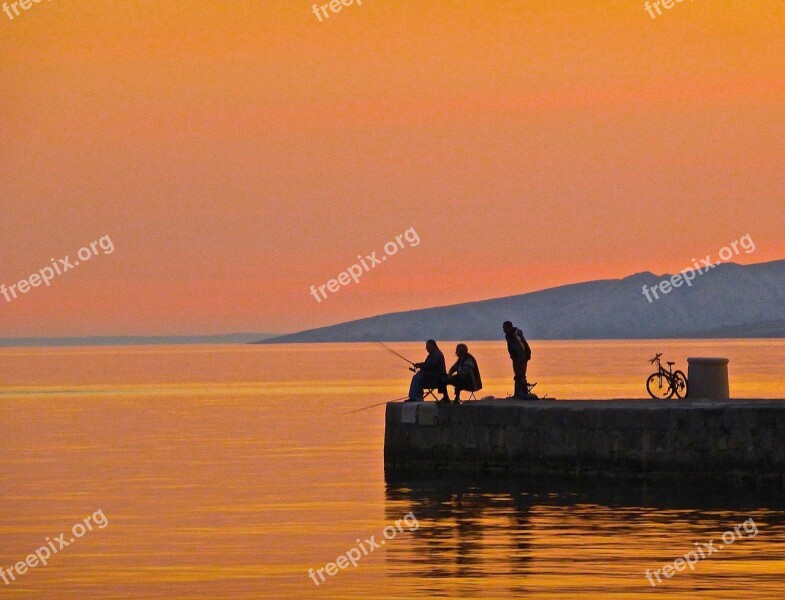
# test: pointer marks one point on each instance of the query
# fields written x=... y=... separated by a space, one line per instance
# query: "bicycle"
x=663 y=384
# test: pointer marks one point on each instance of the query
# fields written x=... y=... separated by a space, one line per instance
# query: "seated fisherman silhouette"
x=431 y=374
x=464 y=374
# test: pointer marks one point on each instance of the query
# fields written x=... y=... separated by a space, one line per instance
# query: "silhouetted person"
x=432 y=373
x=464 y=374
x=520 y=354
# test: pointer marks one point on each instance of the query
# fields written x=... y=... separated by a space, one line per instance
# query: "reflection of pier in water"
x=501 y=538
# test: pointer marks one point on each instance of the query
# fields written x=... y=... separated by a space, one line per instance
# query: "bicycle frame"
x=673 y=378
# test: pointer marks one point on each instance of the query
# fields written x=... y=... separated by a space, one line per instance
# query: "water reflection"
x=593 y=537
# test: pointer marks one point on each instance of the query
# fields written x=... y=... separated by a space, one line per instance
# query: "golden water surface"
x=230 y=471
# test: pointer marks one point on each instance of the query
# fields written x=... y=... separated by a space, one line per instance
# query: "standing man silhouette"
x=520 y=354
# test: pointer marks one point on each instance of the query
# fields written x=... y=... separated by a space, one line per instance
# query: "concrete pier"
x=725 y=439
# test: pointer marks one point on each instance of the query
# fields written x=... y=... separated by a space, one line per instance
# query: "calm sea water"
x=229 y=471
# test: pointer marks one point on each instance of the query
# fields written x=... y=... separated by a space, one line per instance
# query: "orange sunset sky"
x=238 y=152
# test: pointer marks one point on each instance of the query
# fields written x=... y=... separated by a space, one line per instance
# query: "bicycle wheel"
x=659 y=386
x=680 y=384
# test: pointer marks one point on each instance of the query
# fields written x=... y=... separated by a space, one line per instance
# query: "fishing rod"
x=375 y=405
x=396 y=354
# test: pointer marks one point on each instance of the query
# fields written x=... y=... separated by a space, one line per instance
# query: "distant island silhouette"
x=131 y=340
x=730 y=301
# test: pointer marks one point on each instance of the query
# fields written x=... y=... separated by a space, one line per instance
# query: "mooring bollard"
x=708 y=378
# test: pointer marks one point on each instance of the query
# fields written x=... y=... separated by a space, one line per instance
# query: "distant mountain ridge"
x=730 y=300
x=115 y=340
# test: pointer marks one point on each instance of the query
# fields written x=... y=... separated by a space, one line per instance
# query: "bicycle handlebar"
x=654 y=360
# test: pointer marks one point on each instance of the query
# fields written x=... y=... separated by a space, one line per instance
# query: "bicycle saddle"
x=671 y=363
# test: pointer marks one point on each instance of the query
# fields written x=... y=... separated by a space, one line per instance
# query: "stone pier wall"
x=637 y=438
